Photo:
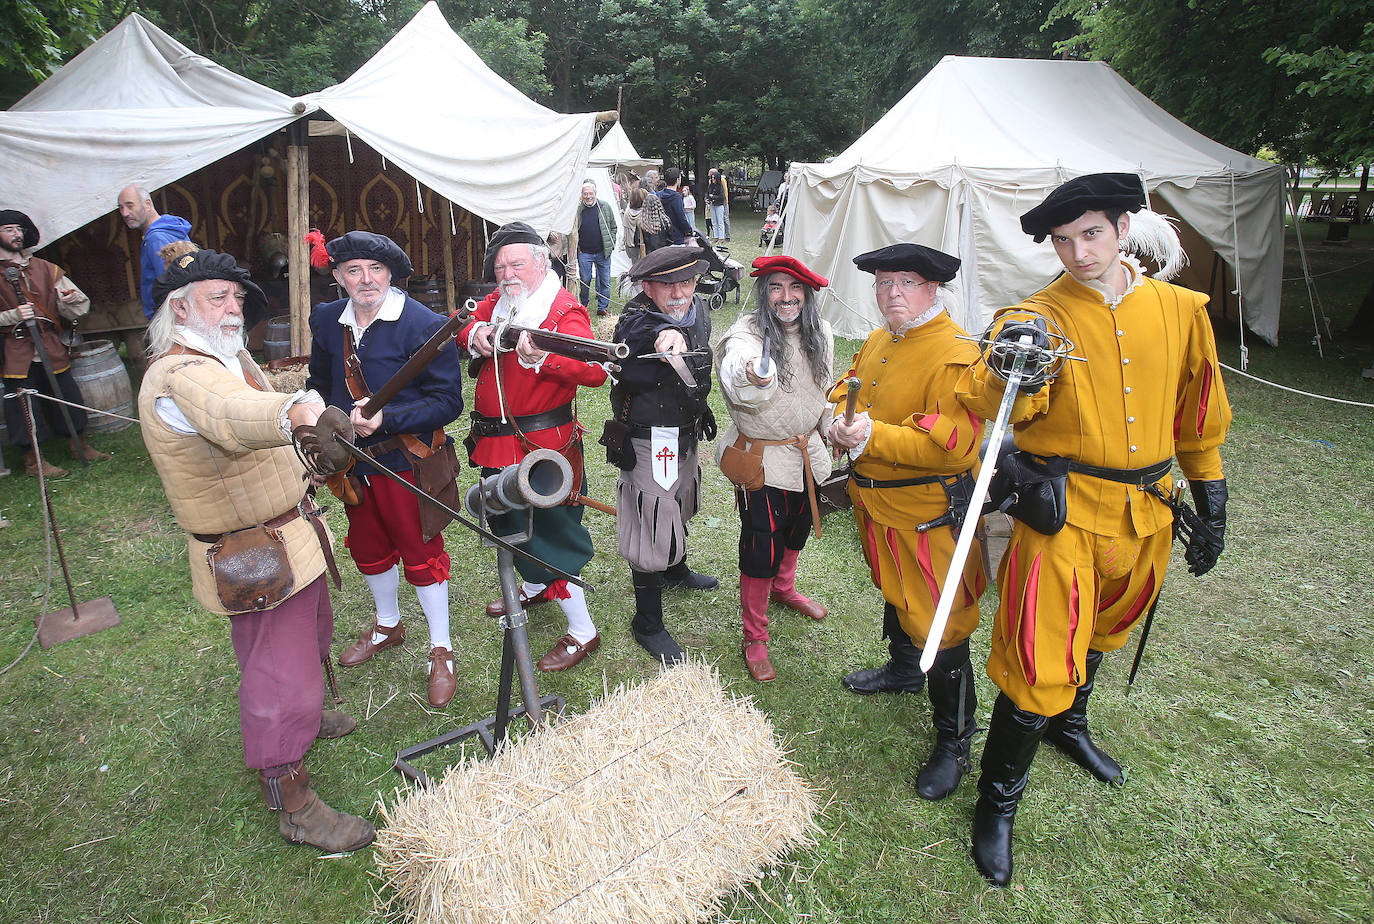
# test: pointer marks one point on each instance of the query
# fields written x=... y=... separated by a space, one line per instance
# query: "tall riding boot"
x=306 y=819
x=953 y=704
x=1068 y=731
x=784 y=589
x=753 y=601
x=1013 y=736
x=647 y=625
x=901 y=674
x=680 y=575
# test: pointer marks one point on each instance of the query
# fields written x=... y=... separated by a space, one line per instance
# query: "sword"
x=320 y=444
x=1150 y=616
x=980 y=493
x=765 y=360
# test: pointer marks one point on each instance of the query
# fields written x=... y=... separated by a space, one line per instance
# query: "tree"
x=37 y=36
x=509 y=47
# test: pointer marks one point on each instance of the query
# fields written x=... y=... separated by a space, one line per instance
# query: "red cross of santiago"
x=667 y=455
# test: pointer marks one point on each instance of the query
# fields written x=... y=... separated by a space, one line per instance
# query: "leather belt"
x=1140 y=477
x=409 y=443
x=802 y=443
x=483 y=426
x=312 y=515
x=898 y=483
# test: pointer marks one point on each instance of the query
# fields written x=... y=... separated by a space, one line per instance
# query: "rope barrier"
x=1333 y=272
x=90 y=410
x=1296 y=391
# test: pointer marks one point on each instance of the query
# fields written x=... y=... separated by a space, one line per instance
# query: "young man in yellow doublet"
x=1149 y=392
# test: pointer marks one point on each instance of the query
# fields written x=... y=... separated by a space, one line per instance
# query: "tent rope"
x=1296 y=391
x=89 y=410
x=1313 y=296
x=1239 y=289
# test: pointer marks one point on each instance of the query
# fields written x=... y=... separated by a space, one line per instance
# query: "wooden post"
x=297 y=224
x=450 y=295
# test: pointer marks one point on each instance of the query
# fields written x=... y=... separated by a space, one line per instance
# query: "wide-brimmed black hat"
x=1092 y=192
x=515 y=232
x=16 y=217
x=364 y=245
x=208 y=264
x=931 y=264
x=670 y=264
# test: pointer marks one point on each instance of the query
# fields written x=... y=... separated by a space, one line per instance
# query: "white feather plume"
x=1154 y=237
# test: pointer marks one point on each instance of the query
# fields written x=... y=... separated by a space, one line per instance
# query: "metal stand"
x=543 y=479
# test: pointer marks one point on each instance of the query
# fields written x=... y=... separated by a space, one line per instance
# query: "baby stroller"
x=772 y=230
x=721 y=277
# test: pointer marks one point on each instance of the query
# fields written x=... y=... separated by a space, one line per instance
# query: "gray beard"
x=225 y=344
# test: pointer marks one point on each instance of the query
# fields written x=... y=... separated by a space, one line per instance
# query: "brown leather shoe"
x=498 y=607
x=335 y=724
x=568 y=652
x=804 y=605
x=49 y=470
x=756 y=659
x=363 y=649
x=91 y=453
x=306 y=819
x=442 y=683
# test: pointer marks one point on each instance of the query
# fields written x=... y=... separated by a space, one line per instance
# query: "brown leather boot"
x=90 y=452
x=306 y=819
x=49 y=470
x=335 y=724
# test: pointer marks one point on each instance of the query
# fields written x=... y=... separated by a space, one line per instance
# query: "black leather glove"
x=1203 y=550
x=1007 y=344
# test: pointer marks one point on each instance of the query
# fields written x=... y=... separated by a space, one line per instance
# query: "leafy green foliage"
x=37 y=36
x=1339 y=82
x=510 y=48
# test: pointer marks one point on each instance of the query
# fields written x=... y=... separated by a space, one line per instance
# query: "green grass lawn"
x=1247 y=740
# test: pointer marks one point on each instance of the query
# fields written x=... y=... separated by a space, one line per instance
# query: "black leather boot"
x=647 y=625
x=1013 y=736
x=1068 y=731
x=901 y=674
x=680 y=575
x=953 y=704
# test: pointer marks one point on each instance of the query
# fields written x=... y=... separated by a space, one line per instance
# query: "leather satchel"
x=1031 y=489
x=742 y=463
x=251 y=569
x=437 y=475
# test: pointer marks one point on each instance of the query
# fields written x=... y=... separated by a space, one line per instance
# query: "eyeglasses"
x=906 y=284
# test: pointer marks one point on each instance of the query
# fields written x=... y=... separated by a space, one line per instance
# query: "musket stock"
x=586 y=349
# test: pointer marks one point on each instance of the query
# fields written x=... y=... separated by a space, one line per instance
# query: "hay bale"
x=291 y=379
x=650 y=807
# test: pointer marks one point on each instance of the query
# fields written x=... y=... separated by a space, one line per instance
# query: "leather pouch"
x=437 y=475
x=1032 y=489
x=742 y=463
x=251 y=569
x=616 y=438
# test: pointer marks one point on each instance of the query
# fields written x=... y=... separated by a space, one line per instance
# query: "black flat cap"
x=670 y=264
x=16 y=217
x=207 y=264
x=364 y=245
x=1092 y=192
x=515 y=232
x=934 y=265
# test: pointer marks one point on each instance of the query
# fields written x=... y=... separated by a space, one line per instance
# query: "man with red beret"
x=913 y=447
x=1150 y=390
x=773 y=451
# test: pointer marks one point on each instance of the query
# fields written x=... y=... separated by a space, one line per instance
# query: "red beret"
x=792 y=267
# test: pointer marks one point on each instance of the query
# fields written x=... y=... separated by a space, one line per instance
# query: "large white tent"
x=980 y=141
x=137 y=106
x=615 y=150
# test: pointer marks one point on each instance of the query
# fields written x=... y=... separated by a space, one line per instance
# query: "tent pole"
x=449 y=294
x=297 y=223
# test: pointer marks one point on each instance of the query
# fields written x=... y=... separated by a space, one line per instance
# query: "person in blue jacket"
x=136 y=208
x=671 y=195
x=388 y=532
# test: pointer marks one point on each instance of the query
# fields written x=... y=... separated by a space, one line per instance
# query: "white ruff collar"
x=534 y=309
x=921 y=319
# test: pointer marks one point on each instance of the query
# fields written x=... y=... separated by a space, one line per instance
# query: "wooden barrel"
x=429 y=291
x=104 y=381
x=277 y=343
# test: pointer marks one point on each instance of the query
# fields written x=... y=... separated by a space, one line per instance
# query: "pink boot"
x=753 y=599
x=784 y=588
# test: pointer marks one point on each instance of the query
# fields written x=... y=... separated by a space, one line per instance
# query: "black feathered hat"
x=207 y=264
x=364 y=245
x=933 y=265
x=16 y=217
x=1092 y=192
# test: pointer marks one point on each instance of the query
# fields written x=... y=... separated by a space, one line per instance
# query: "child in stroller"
x=722 y=275
x=772 y=227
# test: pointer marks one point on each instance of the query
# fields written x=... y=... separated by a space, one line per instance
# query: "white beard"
x=225 y=344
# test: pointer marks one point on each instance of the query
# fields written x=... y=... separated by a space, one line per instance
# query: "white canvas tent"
x=980 y=141
x=137 y=106
x=615 y=150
